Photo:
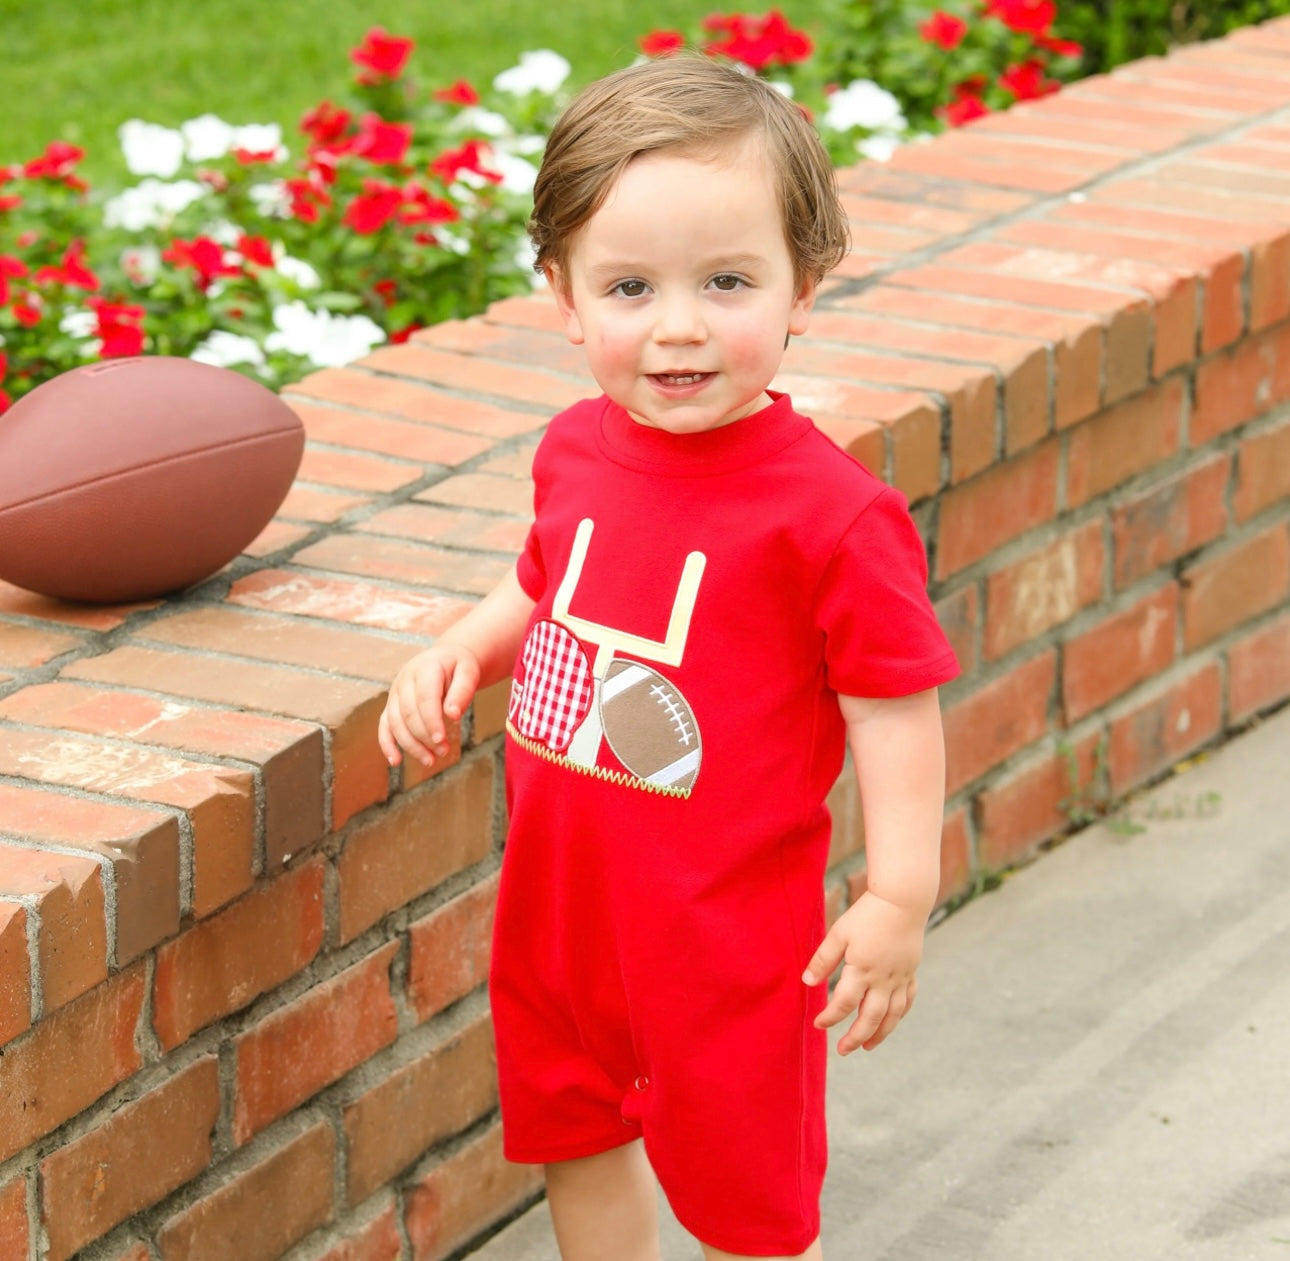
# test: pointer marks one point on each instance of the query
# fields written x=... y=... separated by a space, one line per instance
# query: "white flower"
x=297 y=271
x=326 y=339
x=518 y=174
x=541 y=71
x=79 y=323
x=150 y=204
x=259 y=138
x=783 y=88
x=225 y=349
x=486 y=122
x=453 y=241
x=880 y=147
x=141 y=263
x=863 y=104
x=150 y=149
x=270 y=198
x=207 y=137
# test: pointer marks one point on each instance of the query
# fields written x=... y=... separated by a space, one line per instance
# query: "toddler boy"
x=712 y=601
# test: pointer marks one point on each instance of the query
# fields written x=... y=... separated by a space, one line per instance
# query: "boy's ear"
x=564 y=301
x=799 y=315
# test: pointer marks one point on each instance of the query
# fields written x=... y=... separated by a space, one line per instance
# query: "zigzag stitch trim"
x=621 y=778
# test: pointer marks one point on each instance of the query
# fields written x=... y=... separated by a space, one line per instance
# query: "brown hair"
x=695 y=105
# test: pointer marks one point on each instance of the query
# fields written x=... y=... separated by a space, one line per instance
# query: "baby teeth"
x=679 y=380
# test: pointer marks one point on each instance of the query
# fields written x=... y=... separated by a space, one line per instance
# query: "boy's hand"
x=881 y=944
x=429 y=692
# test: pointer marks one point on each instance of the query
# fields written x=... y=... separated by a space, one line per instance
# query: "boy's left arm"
x=899 y=752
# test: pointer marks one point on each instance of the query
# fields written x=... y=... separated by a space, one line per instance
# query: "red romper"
x=673 y=732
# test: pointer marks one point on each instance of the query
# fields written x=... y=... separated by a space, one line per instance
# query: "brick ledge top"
x=1007 y=281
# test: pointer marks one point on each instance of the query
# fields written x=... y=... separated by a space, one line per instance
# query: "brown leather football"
x=132 y=478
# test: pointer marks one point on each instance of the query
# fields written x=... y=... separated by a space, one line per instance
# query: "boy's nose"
x=678 y=321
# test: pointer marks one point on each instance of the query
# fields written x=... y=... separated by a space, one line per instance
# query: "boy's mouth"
x=680 y=378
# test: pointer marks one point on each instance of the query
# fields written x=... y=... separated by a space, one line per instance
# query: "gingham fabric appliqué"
x=555 y=695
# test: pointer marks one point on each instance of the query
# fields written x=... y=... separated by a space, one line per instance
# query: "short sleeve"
x=881 y=636
x=529 y=567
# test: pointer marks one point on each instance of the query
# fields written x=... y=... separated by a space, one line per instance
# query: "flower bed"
x=407 y=207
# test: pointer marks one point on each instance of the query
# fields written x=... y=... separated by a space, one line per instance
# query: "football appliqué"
x=649 y=725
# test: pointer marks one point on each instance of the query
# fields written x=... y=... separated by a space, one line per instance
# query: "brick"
x=418 y=564
x=1075 y=341
x=134 y=1252
x=1269 y=282
x=1170 y=520
x=93 y=617
x=1036 y=120
x=1262 y=472
x=71 y=1058
x=219 y=800
x=15 y=1238
x=959 y=616
x=1223 y=590
x=276 y=537
x=145 y=1150
x=259 y=1214
x=1181 y=719
x=15 y=973
x=1123 y=442
x=71 y=915
x=971 y=395
x=1258 y=670
x=936 y=220
x=142 y=847
x=379 y=1240
x=1027 y=176
x=343 y=600
x=224 y=963
x=416 y=843
x=998 y=720
x=23 y=647
x=464 y=1195
x=463 y=372
x=1232 y=389
x=380 y=435
x=847 y=835
x=350 y=471
x=1000 y=505
x=1043 y=589
x=436 y=1095
x=488 y=711
x=348 y=708
x=1035 y=802
x=413 y=400
x=1190 y=199
x=956 y=857
x=318 y=504
x=497 y=342
x=482 y=490
x=1020 y=151
x=289 y=758
x=449 y=949
x=878 y=180
x=310 y=1043
x=1119 y=653
x=536 y=310
x=459 y=527
x=1274 y=186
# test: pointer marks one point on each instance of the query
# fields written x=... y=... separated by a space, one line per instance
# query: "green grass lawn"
x=77 y=69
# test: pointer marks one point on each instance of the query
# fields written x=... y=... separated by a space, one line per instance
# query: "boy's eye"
x=726 y=282
x=629 y=288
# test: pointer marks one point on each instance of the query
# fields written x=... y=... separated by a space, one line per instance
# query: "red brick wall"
x=241 y=964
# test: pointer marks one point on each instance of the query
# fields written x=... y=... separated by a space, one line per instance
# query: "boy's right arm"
x=435 y=686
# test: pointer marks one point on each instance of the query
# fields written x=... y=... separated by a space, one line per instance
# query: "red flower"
x=944 y=29
x=119 y=327
x=5 y=400
x=451 y=162
x=374 y=207
x=386 y=290
x=421 y=206
x=460 y=93
x=325 y=124
x=758 y=42
x=967 y=103
x=55 y=163
x=662 y=43
x=308 y=199
x=1026 y=81
x=1030 y=17
x=381 y=56
x=10 y=202
x=382 y=142
x=399 y=336
x=255 y=249
x=71 y=271
x=9 y=266
x=251 y=157
x=1062 y=47
x=27 y=313
x=204 y=255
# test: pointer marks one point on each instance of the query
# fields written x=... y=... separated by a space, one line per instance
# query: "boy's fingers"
x=389 y=746
x=869 y=1019
x=465 y=678
x=847 y=996
x=824 y=960
x=406 y=738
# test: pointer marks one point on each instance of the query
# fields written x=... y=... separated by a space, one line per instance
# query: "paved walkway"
x=1098 y=1068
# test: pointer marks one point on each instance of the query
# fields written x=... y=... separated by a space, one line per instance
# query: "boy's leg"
x=604 y=1207
x=812 y=1253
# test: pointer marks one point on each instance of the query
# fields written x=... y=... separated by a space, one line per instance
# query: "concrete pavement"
x=1098 y=1067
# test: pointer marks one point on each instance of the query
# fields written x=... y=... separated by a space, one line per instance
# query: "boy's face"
x=681 y=288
